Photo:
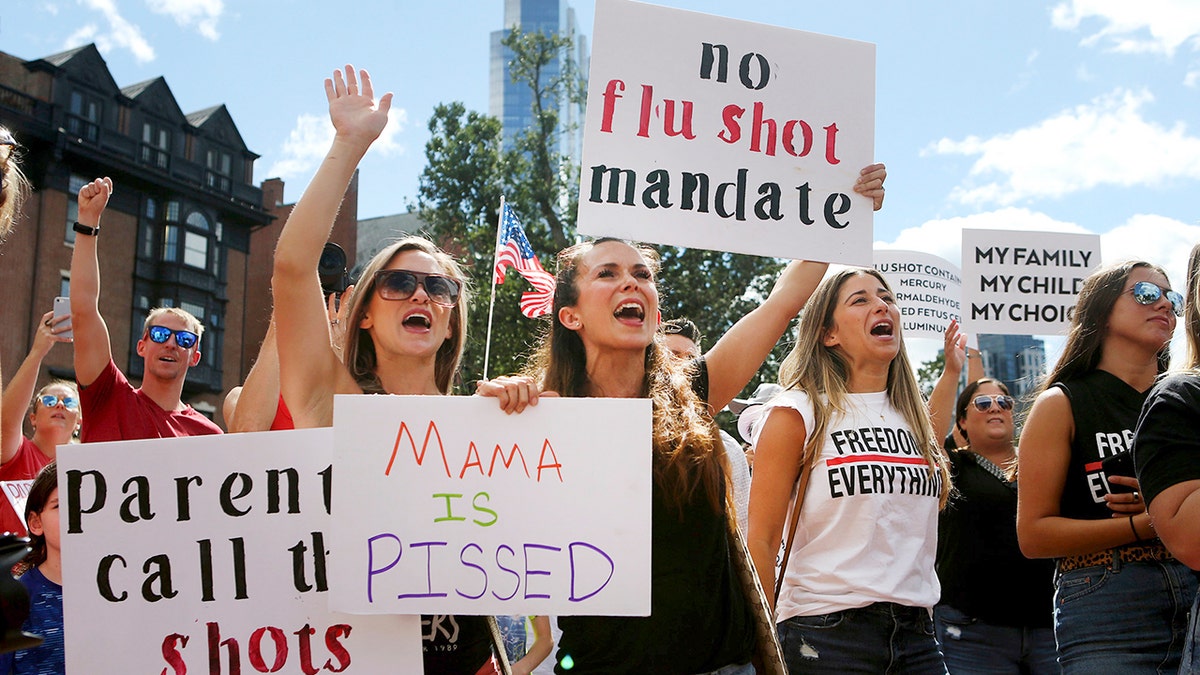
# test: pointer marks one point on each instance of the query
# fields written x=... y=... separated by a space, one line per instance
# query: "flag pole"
x=487 y=349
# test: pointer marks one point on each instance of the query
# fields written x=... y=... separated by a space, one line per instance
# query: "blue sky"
x=1072 y=115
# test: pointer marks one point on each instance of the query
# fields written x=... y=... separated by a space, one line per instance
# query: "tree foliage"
x=929 y=372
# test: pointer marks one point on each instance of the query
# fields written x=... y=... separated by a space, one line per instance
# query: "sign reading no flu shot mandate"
x=727 y=135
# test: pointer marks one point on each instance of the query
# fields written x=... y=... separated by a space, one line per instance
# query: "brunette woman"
x=1121 y=600
x=859 y=582
x=405 y=332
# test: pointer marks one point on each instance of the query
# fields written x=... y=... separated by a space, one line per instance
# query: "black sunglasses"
x=1147 y=293
x=984 y=403
x=401 y=284
x=186 y=339
x=50 y=401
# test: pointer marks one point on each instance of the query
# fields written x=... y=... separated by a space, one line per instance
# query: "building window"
x=156 y=146
x=83 y=118
x=218 y=166
x=173 y=211
x=195 y=250
x=74 y=186
x=170 y=243
x=64 y=284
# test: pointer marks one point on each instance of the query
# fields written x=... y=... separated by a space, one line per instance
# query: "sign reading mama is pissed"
x=444 y=504
x=727 y=135
x=209 y=555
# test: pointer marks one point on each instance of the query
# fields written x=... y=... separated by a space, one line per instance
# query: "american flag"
x=514 y=251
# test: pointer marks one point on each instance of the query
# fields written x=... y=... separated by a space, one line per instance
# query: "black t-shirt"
x=1167 y=448
x=1105 y=410
x=454 y=644
x=979 y=562
x=699 y=619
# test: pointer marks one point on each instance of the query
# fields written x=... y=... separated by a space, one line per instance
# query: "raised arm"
x=310 y=371
x=19 y=391
x=941 y=400
x=92 y=348
x=741 y=351
x=259 y=398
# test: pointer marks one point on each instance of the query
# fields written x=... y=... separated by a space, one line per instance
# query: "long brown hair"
x=823 y=374
x=358 y=347
x=43 y=486
x=1085 y=341
x=687 y=451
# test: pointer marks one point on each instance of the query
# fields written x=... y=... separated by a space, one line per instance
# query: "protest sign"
x=727 y=135
x=209 y=555
x=17 y=493
x=1024 y=283
x=928 y=290
x=446 y=504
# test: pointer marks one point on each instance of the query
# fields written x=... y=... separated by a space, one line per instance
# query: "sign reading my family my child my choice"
x=445 y=504
x=1024 y=283
x=209 y=555
x=928 y=290
x=727 y=135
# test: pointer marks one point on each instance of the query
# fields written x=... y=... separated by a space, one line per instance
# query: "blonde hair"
x=16 y=188
x=1191 y=309
x=193 y=324
x=358 y=348
x=687 y=451
x=823 y=373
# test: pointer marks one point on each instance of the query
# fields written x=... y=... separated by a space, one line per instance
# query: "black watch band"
x=84 y=229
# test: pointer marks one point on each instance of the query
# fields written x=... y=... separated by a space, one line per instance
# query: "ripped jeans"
x=880 y=638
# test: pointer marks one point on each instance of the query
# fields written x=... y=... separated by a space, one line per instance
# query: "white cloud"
x=121 y=33
x=203 y=13
x=1148 y=26
x=944 y=237
x=309 y=140
x=1104 y=142
x=1192 y=78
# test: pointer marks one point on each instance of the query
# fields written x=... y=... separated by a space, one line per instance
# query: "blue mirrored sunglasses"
x=1147 y=293
x=50 y=400
x=984 y=403
x=186 y=339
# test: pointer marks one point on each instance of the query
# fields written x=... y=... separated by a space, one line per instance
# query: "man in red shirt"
x=112 y=409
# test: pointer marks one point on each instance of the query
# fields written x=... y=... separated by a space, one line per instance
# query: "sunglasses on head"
x=186 y=339
x=984 y=403
x=50 y=400
x=401 y=284
x=1147 y=293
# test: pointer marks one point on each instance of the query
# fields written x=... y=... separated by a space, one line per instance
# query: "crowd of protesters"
x=989 y=555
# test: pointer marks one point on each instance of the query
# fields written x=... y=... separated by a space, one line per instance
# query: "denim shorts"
x=1129 y=617
x=880 y=638
x=975 y=647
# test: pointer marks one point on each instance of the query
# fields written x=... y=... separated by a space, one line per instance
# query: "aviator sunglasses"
x=50 y=400
x=1147 y=293
x=401 y=284
x=984 y=403
x=184 y=338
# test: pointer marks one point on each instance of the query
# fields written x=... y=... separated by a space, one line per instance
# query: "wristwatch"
x=85 y=229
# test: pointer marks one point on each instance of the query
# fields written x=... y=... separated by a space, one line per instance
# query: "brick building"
x=177 y=230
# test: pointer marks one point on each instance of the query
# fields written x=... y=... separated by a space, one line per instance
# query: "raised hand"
x=355 y=114
x=93 y=197
x=870 y=183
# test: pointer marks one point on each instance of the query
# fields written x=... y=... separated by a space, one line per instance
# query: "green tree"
x=929 y=372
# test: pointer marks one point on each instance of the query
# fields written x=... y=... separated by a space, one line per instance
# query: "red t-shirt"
x=114 y=411
x=283 y=417
x=25 y=465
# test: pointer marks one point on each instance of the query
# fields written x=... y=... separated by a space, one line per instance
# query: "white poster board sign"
x=210 y=554
x=17 y=494
x=727 y=135
x=445 y=504
x=928 y=290
x=1024 y=283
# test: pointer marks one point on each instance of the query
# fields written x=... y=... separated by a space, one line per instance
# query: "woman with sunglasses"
x=404 y=334
x=994 y=615
x=1167 y=456
x=53 y=415
x=859 y=580
x=1121 y=601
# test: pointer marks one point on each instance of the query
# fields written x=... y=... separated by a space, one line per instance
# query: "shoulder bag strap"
x=805 y=472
